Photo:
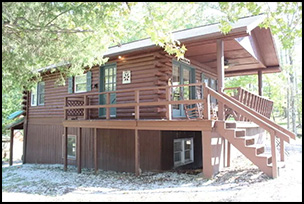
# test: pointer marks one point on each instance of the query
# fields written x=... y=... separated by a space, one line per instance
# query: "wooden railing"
x=80 y=101
x=265 y=123
x=258 y=103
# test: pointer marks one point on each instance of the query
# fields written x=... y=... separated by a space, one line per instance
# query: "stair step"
x=260 y=148
x=229 y=124
x=269 y=157
x=249 y=140
x=240 y=132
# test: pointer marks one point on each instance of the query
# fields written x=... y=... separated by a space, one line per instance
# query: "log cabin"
x=144 y=110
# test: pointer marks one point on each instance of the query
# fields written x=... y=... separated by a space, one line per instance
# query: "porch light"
x=226 y=64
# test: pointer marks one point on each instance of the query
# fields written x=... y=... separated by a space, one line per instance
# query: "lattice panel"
x=75 y=112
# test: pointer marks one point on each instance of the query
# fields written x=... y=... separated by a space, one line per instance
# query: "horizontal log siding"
x=115 y=147
x=147 y=70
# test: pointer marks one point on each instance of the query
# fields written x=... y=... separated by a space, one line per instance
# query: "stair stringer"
x=240 y=143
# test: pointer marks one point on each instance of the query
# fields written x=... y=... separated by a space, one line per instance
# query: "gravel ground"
x=243 y=181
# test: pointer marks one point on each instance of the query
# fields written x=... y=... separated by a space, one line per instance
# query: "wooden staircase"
x=239 y=139
x=246 y=145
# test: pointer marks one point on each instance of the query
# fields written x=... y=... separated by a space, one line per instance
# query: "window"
x=80 y=83
x=183 y=151
x=37 y=94
x=40 y=93
x=71 y=146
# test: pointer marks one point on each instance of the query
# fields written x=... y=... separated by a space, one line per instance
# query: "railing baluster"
x=169 y=106
x=85 y=110
x=65 y=110
x=137 y=104
x=108 y=109
x=206 y=103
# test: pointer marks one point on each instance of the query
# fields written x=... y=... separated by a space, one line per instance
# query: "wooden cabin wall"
x=115 y=147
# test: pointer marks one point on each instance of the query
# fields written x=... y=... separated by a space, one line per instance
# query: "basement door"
x=107 y=82
x=182 y=74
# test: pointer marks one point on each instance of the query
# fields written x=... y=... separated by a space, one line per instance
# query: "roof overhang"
x=212 y=31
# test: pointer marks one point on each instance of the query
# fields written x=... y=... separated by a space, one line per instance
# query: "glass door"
x=107 y=83
x=181 y=74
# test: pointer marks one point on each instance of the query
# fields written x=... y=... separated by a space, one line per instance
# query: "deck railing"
x=258 y=103
x=73 y=104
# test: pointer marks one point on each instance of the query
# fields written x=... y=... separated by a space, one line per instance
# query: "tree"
x=39 y=34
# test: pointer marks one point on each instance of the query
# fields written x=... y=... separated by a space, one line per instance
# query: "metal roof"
x=243 y=24
x=246 y=24
x=15 y=114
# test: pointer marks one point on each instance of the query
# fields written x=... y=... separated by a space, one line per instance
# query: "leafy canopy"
x=39 y=34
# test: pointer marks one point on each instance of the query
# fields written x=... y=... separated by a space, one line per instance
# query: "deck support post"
x=207 y=154
x=95 y=151
x=274 y=155
x=11 y=147
x=65 y=147
x=137 y=155
x=282 y=148
x=79 y=150
x=228 y=153
x=220 y=74
x=260 y=82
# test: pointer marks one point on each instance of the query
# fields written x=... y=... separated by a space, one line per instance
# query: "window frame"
x=36 y=93
x=39 y=93
x=75 y=84
x=69 y=156
x=182 y=152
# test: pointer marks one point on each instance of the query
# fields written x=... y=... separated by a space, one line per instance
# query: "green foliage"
x=283 y=18
x=39 y=34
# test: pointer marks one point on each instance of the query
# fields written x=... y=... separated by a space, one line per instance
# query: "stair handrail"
x=252 y=115
x=262 y=117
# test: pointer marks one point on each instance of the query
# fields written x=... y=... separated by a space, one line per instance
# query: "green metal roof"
x=15 y=114
x=15 y=123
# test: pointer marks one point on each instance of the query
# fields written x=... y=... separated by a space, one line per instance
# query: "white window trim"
x=38 y=94
x=75 y=91
x=34 y=94
x=69 y=157
x=182 y=161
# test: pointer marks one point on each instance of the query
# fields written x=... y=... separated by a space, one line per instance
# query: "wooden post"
x=95 y=151
x=274 y=155
x=65 y=110
x=282 y=150
x=85 y=110
x=25 y=127
x=220 y=74
x=169 y=106
x=137 y=154
x=65 y=151
x=207 y=154
x=11 y=147
x=228 y=153
x=79 y=150
x=108 y=109
x=136 y=107
x=260 y=82
x=206 y=103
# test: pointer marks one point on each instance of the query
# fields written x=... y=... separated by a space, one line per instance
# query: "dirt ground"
x=243 y=181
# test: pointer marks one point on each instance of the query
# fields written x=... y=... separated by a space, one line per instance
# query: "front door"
x=182 y=74
x=107 y=83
